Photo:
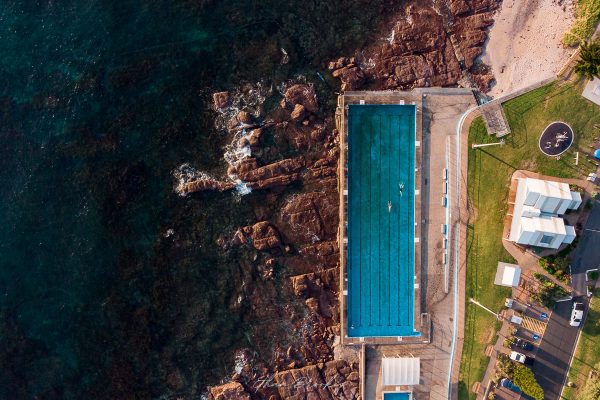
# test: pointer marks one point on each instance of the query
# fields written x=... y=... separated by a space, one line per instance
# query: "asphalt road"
x=558 y=344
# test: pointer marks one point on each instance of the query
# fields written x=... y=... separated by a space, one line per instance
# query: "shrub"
x=591 y=390
x=509 y=342
x=548 y=291
x=589 y=204
x=505 y=367
x=524 y=379
x=593 y=275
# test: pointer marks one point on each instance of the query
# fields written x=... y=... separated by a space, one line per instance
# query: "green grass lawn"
x=490 y=169
x=588 y=349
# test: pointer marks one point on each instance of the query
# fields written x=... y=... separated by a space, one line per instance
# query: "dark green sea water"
x=99 y=102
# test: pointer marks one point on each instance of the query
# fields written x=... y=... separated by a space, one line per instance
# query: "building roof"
x=549 y=188
x=396 y=371
x=543 y=223
x=507 y=275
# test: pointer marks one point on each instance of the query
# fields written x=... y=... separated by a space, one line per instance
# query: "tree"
x=588 y=64
x=525 y=380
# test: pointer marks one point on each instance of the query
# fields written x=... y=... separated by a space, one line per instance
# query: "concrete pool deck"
x=421 y=321
x=439 y=255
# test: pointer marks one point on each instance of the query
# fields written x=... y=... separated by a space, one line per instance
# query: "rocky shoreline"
x=295 y=231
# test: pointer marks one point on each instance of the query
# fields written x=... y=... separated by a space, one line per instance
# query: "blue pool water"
x=381 y=154
x=396 y=396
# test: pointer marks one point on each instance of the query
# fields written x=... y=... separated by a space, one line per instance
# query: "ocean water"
x=111 y=285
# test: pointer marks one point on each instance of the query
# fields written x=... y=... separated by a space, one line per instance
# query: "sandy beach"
x=524 y=45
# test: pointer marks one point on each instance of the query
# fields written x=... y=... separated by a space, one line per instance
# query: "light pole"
x=471 y=300
x=475 y=146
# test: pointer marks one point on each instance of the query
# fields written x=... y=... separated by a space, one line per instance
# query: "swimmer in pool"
x=389 y=206
x=401 y=188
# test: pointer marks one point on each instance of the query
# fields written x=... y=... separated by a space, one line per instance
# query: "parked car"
x=521 y=358
x=505 y=382
x=576 y=314
x=525 y=345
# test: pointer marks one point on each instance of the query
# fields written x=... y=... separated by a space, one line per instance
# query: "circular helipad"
x=556 y=138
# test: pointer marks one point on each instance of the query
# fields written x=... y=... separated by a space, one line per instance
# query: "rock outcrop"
x=229 y=391
x=334 y=380
x=221 y=99
x=203 y=184
x=309 y=218
x=430 y=45
x=262 y=236
x=280 y=173
x=303 y=95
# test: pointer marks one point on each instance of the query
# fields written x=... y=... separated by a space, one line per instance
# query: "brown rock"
x=244 y=117
x=242 y=120
x=280 y=173
x=353 y=377
x=312 y=304
x=254 y=137
x=298 y=112
x=221 y=99
x=229 y=391
x=309 y=217
x=200 y=185
x=264 y=236
x=422 y=51
x=319 y=382
x=302 y=383
x=302 y=94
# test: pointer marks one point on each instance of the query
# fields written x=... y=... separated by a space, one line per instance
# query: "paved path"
x=555 y=352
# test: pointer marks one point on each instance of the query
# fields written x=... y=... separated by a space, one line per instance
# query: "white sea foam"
x=249 y=98
x=240 y=361
x=286 y=58
x=242 y=187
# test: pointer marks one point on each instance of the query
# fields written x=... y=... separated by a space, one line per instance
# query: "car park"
x=525 y=345
x=576 y=314
x=521 y=358
x=518 y=357
x=507 y=383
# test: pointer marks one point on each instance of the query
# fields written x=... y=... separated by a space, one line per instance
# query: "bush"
x=509 y=342
x=505 y=367
x=591 y=390
x=593 y=275
x=557 y=266
x=524 y=379
x=548 y=292
x=589 y=204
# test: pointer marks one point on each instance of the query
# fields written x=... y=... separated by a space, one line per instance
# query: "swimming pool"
x=381 y=220
x=396 y=396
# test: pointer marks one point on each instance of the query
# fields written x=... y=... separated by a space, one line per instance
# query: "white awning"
x=400 y=371
x=507 y=275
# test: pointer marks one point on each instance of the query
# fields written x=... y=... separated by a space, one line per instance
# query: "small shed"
x=397 y=371
x=507 y=275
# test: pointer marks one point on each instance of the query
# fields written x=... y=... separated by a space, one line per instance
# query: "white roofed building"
x=537 y=219
x=507 y=275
